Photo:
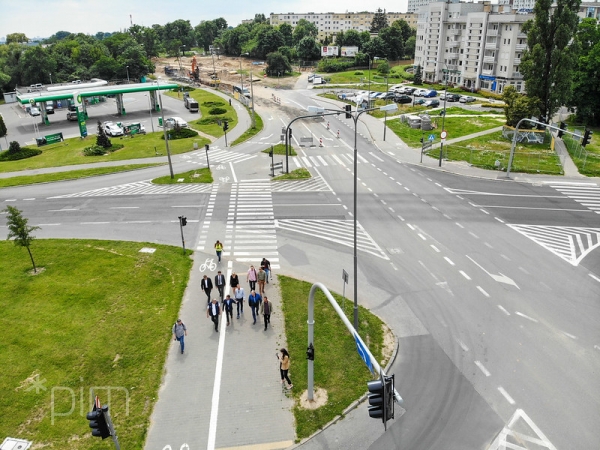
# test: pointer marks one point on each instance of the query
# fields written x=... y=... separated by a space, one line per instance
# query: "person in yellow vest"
x=219 y=249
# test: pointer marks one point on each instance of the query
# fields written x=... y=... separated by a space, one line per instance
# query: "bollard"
x=338 y=134
x=328 y=125
x=320 y=142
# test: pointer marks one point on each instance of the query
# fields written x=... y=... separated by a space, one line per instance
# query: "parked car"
x=420 y=101
x=112 y=129
x=311 y=77
x=420 y=92
x=72 y=116
x=452 y=97
x=408 y=90
x=466 y=99
x=432 y=103
x=171 y=121
x=402 y=98
x=34 y=111
x=430 y=93
x=346 y=95
x=49 y=109
x=388 y=96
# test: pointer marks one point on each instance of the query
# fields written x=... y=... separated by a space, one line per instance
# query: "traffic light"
x=225 y=125
x=348 y=108
x=206 y=147
x=310 y=352
x=377 y=399
x=183 y=220
x=98 y=422
x=271 y=152
x=290 y=132
x=563 y=127
x=587 y=137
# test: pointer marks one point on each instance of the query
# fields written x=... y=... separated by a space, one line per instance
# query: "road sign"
x=444 y=134
x=362 y=352
x=431 y=137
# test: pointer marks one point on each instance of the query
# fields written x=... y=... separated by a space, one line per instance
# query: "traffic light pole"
x=366 y=354
x=182 y=223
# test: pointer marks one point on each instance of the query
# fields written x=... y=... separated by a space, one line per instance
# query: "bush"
x=212 y=120
x=359 y=72
x=95 y=150
x=181 y=133
x=335 y=65
x=14 y=147
x=216 y=111
x=210 y=104
x=23 y=153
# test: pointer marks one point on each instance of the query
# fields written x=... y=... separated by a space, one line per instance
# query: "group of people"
x=260 y=305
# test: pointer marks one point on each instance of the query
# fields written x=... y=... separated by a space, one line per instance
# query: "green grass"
x=251 y=132
x=337 y=367
x=202 y=96
x=69 y=175
x=484 y=151
x=193 y=176
x=279 y=149
x=586 y=159
x=456 y=127
x=298 y=174
x=70 y=151
x=100 y=314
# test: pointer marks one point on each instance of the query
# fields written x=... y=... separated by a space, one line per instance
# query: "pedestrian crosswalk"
x=572 y=244
x=338 y=231
x=250 y=228
x=142 y=188
x=217 y=155
x=340 y=159
x=314 y=184
x=585 y=194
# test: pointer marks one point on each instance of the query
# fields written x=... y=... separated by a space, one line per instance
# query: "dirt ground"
x=227 y=69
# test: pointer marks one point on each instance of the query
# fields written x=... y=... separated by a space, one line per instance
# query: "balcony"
x=492 y=32
x=520 y=47
x=453 y=32
x=491 y=45
x=522 y=36
x=487 y=72
x=517 y=75
x=517 y=61
x=489 y=59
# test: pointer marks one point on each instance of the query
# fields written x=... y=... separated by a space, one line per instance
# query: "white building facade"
x=476 y=44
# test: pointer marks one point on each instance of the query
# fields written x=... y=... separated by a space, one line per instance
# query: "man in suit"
x=206 y=285
x=220 y=283
x=214 y=311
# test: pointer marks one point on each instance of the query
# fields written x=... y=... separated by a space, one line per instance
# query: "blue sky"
x=42 y=18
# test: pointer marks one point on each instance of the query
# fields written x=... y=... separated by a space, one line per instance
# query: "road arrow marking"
x=501 y=278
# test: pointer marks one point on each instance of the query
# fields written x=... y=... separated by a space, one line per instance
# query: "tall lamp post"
x=445 y=72
x=127 y=69
x=162 y=114
x=355 y=116
x=50 y=78
x=387 y=85
x=151 y=120
x=241 y=75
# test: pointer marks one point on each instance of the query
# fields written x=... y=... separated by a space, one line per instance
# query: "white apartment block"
x=479 y=45
x=330 y=24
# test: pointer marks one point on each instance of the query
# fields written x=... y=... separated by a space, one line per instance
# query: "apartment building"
x=330 y=24
x=478 y=45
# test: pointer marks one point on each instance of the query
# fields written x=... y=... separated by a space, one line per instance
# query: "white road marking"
x=474 y=235
x=449 y=260
x=65 y=209
x=49 y=224
x=482 y=368
x=483 y=291
x=462 y=344
x=501 y=278
x=508 y=398
x=499 y=219
x=97 y=223
x=124 y=207
x=594 y=277
x=422 y=237
x=526 y=316
x=503 y=310
x=464 y=275
x=410 y=226
x=435 y=248
x=569 y=335
x=26 y=199
x=459 y=225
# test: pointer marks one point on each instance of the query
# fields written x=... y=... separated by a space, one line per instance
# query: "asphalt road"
x=494 y=309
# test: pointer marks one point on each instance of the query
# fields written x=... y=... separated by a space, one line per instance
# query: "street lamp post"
x=50 y=78
x=162 y=113
x=151 y=120
x=252 y=100
x=445 y=72
x=355 y=116
x=127 y=68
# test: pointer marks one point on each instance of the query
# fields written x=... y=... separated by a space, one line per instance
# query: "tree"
x=35 y=64
x=307 y=49
x=304 y=28
x=18 y=38
x=14 y=147
x=286 y=31
x=404 y=28
x=206 y=33
x=20 y=231
x=340 y=38
x=376 y=47
x=418 y=80
x=277 y=64
x=102 y=139
x=379 y=21
x=268 y=40
x=394 y=42
x=410 y=46
x=547 y=65
x=518 y=106
x=383 y=68
x=180 y=30
x=3 y=129
x=586 y=89
x=352 y=39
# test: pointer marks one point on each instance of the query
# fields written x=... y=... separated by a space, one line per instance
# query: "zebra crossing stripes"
x=586 y=195
x=218 y=155
x=338 y=231
x=314 y=184
x=572 y=244
x=341 y=159
x=142 y=188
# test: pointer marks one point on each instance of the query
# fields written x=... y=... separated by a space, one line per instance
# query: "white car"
x=421 y=92
x=172 y=121
x=466 y=99
x=34 y=111
x=112 y=129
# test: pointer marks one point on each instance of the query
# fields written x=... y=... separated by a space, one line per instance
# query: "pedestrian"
x=284 y=366
x=179 y=331
x=266 y=265
x=261 y=277
x=254 y=302
x=220 y=283
x=234 y=282
x=219 y=249
x=266 y=310
x=239 y=300
x=228 y=307
x=206 y=285
x=251 y=278
x=214 y=311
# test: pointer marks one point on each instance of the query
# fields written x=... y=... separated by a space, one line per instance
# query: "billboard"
x=330 y=50
x=349 y=51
